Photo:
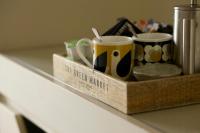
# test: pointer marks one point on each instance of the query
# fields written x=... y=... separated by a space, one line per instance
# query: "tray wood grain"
x=128 y=97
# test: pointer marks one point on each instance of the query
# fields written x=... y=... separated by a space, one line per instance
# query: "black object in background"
x=124 y=28
x=167 y=29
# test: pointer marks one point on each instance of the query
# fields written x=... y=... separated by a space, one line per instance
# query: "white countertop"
x=39 y=61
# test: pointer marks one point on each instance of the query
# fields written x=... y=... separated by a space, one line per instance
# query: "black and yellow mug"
x=113 y=55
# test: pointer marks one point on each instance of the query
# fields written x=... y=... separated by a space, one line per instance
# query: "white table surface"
x=177 y=120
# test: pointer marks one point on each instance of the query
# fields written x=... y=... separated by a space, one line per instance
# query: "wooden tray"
x=128 y=97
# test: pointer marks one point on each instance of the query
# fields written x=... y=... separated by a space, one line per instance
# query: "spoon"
x=94 y=30
x=134 y=33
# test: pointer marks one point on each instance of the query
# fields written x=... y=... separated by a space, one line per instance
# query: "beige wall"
x=49 y=22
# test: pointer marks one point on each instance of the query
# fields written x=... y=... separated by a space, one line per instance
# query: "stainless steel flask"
x=187 y=37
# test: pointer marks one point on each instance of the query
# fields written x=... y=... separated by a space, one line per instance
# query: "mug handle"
x=79 y=52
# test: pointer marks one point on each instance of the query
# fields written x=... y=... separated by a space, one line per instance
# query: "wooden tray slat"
x=128 y=97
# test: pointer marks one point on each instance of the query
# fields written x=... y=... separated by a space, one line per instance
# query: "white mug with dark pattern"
x=113 y=55
x=153 y=48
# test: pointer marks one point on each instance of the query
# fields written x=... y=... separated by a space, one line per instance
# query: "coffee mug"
x=153 y=48
x=113 y=55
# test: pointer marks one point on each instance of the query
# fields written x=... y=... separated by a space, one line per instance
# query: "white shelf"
x=27 y=83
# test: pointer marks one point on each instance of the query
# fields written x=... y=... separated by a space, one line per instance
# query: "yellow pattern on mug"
x=116 y=60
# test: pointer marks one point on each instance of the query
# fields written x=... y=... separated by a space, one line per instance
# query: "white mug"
x=113 y=55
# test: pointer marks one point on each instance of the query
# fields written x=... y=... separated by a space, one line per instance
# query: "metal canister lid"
x=187 y=7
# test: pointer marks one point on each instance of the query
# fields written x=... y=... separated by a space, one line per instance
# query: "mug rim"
x=109 y=40
x=153 y=37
